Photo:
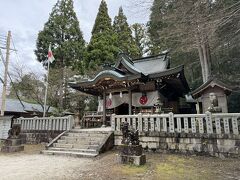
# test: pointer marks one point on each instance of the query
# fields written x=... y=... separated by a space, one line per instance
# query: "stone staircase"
x=81 y=143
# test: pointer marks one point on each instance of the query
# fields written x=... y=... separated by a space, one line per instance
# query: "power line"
x=3 y=60
x=18 y=58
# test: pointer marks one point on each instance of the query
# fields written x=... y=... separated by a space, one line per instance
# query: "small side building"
x=212 y=87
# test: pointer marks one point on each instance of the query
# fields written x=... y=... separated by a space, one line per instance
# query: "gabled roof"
x=14 y=105
x=147 y=65
x=138 y=71
x=212 y=82
x=152 y=64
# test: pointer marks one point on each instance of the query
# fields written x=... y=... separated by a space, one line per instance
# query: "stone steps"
x=79 y=143
x=69 y=146
x=68 y=153
x=92 y=151
x=81 y=139
x=85 y=135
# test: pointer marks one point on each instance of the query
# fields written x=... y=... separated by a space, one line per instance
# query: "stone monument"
x=130 y=150
x=13 y=143
x=214 y=108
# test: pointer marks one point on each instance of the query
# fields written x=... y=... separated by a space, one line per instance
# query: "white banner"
x=138 y=100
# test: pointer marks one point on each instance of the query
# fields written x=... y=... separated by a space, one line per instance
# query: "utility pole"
x=5 y=74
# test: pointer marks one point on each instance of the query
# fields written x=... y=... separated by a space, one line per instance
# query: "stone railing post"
x=235 y=125
x=145 y=121
x=113 y=124
x=179 y=125
x=171 y=123
x=140 y=122
x=218 y=125
x=152 y=125
x=226 y=125
x=209 y=122
x=186 y=130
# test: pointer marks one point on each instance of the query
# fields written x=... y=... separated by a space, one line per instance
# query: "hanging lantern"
x=121 y=95
x=110 y=96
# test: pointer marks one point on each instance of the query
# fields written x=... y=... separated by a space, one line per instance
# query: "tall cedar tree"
x=62 y=31
x=102 y=47
x=190 y=28
x=125 y=41
x=141 y=38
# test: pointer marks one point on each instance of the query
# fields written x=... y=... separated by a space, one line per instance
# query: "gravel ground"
x=30 y=165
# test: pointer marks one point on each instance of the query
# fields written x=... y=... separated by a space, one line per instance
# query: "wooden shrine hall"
x=146 y=85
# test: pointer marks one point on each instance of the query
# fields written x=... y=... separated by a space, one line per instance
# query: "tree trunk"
x=204 y=56
x=202 y=62
x=61 y=86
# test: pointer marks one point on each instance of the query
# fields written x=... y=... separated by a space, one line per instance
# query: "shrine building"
x=138 y=86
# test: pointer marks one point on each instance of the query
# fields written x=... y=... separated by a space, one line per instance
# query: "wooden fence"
x=221 y=123
x=45 y=123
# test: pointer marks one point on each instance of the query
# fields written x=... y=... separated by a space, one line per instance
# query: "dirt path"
x=29 y=165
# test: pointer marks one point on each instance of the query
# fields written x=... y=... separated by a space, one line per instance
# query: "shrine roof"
x=106 y=75
x=136 y=71
x=153 y=64
x=212 y=82
x=146 y=65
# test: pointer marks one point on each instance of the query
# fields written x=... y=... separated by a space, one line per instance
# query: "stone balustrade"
x=208 y=123
x=45 y=123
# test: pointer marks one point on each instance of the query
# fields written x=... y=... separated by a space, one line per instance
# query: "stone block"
x=184 y=140
x=172 y=146
x=195 y=141
x=170 y=140
x=9 y=149
x=136 y=160
x=12 y=142
x=162 y=140
x=197 y=147
x=133 y=150
x=226 y=142
x=117 y=142
x=182 y=146
x=163 y=146
x=150 y=139
x=153 y=145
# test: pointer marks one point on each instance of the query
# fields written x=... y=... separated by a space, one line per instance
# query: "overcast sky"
x=25 y=18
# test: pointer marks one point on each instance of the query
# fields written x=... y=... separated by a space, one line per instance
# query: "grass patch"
x=132 y=169
x=181 y=168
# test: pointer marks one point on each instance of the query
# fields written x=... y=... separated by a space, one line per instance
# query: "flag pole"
x=46 y=91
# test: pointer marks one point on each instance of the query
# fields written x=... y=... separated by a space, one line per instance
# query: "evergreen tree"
x=141 y=38
x=102 y=47
x=125 y=41
x=63 y=33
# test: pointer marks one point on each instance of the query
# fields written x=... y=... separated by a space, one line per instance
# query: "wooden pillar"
x=104 y=109
x=130 y=102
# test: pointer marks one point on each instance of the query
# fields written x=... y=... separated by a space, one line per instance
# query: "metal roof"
x=152 y=65
x=14 y=105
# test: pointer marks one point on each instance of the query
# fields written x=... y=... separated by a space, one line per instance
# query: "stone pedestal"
x=131 y=154
x=12 y=145
x=136 y=160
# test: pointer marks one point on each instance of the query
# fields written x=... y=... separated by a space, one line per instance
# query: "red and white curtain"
x=138 y=100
